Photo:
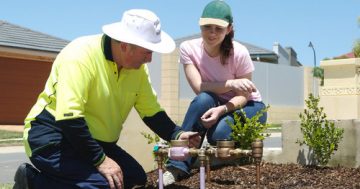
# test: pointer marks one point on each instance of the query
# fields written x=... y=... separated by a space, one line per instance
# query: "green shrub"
x=356 y=48
x=319 y=134
x=246 y=130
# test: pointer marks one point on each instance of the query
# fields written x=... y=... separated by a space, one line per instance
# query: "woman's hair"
x=226 y=46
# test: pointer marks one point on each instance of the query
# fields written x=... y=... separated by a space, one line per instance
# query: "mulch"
x=286 y=176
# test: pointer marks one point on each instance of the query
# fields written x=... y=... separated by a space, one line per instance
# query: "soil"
x=272 y=176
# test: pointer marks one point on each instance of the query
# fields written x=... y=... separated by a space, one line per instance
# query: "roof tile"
x=12 y=35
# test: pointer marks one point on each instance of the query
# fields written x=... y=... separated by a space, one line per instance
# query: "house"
x=346 y=55
x=26 y=57
x=279 y=55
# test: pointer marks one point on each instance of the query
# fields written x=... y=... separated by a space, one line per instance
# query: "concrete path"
x=11 y=156
x=10 y=159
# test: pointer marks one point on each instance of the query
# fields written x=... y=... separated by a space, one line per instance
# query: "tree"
x=318 y=72
x=356 y=48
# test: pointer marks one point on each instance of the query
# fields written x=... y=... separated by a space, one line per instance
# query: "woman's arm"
x=194 y=79
x=210 y=117
x=242 y=96
x=242 y=84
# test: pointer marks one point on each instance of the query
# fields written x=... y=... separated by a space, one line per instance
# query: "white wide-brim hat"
x=142 y=28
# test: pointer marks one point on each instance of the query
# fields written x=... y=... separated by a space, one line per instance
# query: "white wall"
x=279 y=85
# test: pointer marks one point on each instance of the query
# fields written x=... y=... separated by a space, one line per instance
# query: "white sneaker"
x=172 y=175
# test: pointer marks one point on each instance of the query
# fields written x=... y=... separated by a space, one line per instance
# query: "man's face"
x=136 y=56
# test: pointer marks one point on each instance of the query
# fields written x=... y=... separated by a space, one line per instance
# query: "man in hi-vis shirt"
x=71 y=132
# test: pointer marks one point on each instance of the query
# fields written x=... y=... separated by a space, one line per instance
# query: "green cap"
x=217 y=12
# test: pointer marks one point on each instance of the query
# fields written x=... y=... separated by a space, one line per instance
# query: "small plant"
x=151 y=139
x=155 y=139
x=319 y=134
x=245 y=130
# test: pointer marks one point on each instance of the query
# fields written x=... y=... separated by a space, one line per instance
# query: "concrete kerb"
x=11 y=149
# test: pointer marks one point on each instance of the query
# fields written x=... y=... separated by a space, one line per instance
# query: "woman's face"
x=213 y=35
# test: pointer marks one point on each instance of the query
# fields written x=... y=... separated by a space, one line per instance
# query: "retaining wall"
x=347 y=155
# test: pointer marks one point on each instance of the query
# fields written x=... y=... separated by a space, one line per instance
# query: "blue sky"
x=330 y=25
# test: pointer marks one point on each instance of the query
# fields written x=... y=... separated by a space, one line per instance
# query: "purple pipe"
x=161 y=185
x=202 y=177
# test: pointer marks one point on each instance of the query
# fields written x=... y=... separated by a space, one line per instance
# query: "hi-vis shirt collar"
x=106 y=47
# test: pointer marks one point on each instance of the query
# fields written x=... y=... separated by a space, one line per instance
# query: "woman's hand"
x=112 y=172
x=210 y=117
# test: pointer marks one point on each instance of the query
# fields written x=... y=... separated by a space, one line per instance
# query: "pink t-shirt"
x=238 y=64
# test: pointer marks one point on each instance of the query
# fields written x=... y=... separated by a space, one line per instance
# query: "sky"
x=331 y=25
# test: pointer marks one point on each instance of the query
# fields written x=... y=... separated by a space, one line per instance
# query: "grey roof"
x=19 y=37
x=253 y=50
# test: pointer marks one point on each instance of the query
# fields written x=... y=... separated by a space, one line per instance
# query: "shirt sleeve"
x=163 y=126
x=244 y=64
x=185 y=57
x=73 y=83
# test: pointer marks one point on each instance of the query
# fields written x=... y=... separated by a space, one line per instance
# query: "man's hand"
x=193 y=137
x=112 y=172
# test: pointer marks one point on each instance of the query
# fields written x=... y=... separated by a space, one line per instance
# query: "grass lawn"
x=274 y=128
x=10 y=138
x=6 y=186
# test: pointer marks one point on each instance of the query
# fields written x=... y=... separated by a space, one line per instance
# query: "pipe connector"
x=223 y=148
x=160 y=150
x=240 y=153
x=257 y=149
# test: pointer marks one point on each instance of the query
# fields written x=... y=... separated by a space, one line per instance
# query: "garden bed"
x=272 y=176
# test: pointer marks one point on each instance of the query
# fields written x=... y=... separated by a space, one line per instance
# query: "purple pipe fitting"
x=179 y=153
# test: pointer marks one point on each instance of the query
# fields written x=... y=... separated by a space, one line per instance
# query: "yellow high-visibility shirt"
x=84 y=84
